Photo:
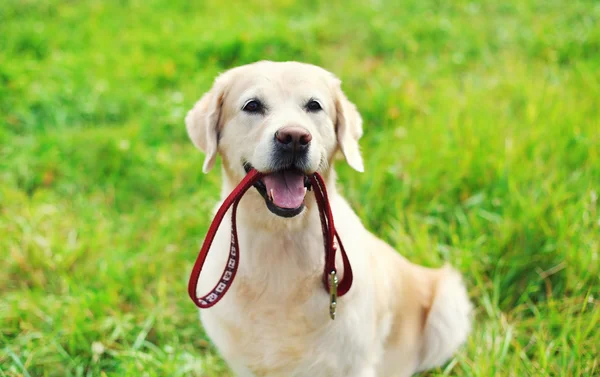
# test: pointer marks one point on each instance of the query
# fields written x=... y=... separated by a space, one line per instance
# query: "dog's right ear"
x=202 y=122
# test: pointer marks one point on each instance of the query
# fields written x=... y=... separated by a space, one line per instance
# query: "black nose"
x=293 y=139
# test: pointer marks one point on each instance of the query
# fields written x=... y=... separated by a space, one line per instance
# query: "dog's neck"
x=295 y=244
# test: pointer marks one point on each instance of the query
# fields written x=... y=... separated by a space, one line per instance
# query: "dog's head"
x=286 y=120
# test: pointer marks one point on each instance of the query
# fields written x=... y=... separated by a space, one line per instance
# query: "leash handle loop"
x=233 y=199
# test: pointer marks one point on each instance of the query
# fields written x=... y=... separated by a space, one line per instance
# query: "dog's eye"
x=253 y=106
x=313 y=106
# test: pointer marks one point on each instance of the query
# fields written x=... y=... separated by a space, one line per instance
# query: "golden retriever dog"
x=288 y=120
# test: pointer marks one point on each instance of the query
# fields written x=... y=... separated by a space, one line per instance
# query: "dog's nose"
x=293 y=138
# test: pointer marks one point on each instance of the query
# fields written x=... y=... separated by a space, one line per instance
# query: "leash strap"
x=230 y=270
x=329 y=233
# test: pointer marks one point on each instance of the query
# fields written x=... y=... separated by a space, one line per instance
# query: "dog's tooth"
x=272 y=195
x=305 y=189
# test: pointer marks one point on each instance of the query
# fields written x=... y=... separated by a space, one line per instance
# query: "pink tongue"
x=288 y=188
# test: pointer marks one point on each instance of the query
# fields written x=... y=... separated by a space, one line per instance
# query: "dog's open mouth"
x=283 y=190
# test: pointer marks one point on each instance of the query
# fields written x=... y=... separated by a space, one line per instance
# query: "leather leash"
x=333 y=286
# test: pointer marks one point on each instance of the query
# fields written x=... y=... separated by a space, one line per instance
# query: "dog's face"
x=286 y=120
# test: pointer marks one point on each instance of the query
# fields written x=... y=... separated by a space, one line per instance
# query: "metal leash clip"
x=333 y=286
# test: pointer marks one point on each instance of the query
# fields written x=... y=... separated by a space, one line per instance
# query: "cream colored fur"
x=398 y=318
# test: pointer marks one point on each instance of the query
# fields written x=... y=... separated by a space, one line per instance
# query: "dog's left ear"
x=202 y=122
x=348 y=128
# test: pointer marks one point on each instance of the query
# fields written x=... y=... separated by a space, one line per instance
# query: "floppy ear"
x=349 y=129
x=202 y=123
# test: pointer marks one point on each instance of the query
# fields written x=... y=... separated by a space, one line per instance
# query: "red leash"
x=330 y=280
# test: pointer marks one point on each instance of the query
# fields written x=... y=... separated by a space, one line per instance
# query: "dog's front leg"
x=366 y=372
x=239 y=369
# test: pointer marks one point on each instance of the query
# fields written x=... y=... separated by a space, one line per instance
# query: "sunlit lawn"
x=481 y=147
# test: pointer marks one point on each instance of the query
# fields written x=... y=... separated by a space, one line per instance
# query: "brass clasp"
x=333 y=286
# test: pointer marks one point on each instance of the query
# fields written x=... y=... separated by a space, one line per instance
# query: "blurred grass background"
x=481 y=133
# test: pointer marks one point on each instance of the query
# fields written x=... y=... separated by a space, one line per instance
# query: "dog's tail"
x=448 y=322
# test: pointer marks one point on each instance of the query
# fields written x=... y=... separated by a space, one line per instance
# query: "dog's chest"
x=275 y=321
x=300 y=340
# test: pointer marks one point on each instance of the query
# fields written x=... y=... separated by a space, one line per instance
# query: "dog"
x=288 y=120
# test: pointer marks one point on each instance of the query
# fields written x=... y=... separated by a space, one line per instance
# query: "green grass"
x=482 y=133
